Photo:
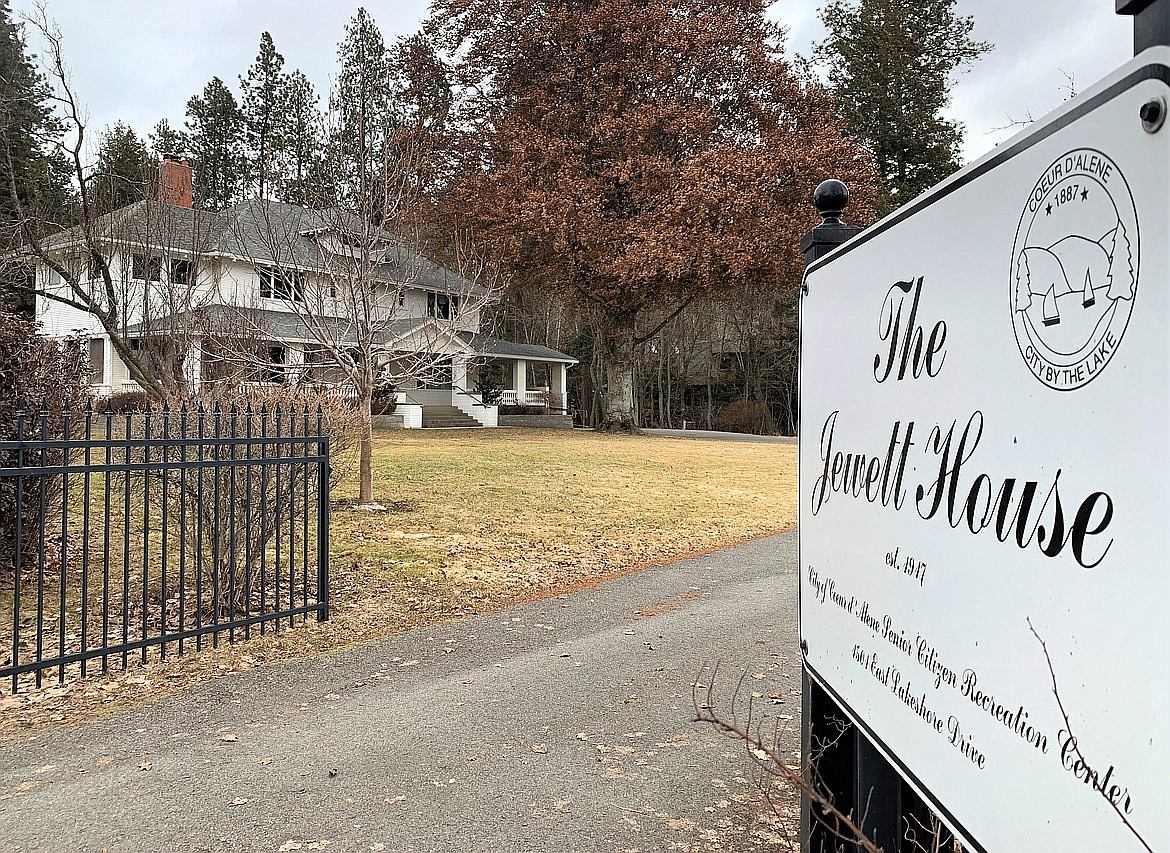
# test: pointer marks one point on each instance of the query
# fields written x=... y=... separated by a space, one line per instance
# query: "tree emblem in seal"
x=1074 y=269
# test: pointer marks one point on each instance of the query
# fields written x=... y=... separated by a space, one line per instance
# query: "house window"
x=146 y=267
x=97 y=361
x=441 y=305
x=95 y=268
x=282 y=284
x=401 y=297
x=182 y=271
x=275 y=370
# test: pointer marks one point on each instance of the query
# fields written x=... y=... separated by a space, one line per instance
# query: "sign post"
x=985 y=509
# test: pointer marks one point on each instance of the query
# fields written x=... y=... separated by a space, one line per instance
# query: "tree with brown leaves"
x=635 y=155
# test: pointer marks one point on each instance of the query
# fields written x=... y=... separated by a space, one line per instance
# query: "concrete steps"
x=446 y=417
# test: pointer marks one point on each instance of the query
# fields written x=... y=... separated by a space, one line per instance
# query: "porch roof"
x=288 y=326
x=498 y=348
x=268 y=324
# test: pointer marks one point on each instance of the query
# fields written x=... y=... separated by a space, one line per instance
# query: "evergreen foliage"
x=264 y=107
x=890 y=66
x=299 y=159
x=122 y=173
x=165 y=140
x=34 y=188
x=215 y=128
x=360 y=140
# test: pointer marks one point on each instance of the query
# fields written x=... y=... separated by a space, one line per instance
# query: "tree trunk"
x=366 y=453
x=618 y=355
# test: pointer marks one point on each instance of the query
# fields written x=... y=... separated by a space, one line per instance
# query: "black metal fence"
x=123 y=535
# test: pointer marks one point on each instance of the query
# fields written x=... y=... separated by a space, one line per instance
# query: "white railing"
x=524 y=398
x=553 y=402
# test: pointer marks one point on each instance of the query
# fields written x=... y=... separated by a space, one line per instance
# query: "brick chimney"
x=175 y=181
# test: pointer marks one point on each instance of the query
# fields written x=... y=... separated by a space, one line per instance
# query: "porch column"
x=108 y=364
x=193 y=366
x=459 y=374
x=557 y=379
x=294 y=363
x=520 y=380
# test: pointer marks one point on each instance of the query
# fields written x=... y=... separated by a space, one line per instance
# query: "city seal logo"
x=1074 y=269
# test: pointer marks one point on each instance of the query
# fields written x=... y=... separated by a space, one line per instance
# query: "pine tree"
x=1121 y=278
x=34 y=190
x=215 y=127
x=166 y=141
x=121 y=174
x=890 y=65
x=360 y=139
x=264 y=107
x=299 y=157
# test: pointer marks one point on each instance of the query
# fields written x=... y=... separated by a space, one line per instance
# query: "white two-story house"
x=267 y=292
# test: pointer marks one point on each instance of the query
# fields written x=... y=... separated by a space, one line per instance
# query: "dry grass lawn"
x=477 y=519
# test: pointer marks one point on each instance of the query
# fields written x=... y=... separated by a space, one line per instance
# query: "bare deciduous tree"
x=128 y=269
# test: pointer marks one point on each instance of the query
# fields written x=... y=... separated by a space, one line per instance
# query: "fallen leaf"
x=229 y=738
x=541 y=748
x=238 y=801
x=409 y=663
x=582 y=736
x=145 y=765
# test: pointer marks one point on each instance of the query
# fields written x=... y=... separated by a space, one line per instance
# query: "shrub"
x=521 y=409
x=42 y=379
x=231 y=535
x=490 y=384
x=750 y=416
x=383 y=400
x=341 y=419
x=126 y=401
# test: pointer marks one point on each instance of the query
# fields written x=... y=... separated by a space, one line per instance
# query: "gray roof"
x=232 y=321
x=263 y=232
x=487 y=345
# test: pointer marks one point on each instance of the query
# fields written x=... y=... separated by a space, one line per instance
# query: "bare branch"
x=1072 y=738
x=766 y=756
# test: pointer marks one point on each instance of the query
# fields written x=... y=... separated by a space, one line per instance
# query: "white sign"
x=985 y=482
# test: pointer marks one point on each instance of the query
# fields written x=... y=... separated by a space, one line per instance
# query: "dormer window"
x=282 y=284
x=442 y=305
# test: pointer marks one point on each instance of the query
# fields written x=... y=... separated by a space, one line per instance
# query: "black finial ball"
x=830 y=198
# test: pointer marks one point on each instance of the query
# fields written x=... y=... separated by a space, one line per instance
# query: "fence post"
x=1151 y=22
x=848 y=768
x=322 y=525
x=824 y=727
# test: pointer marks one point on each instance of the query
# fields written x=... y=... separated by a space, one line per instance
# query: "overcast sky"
x=140 y=60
